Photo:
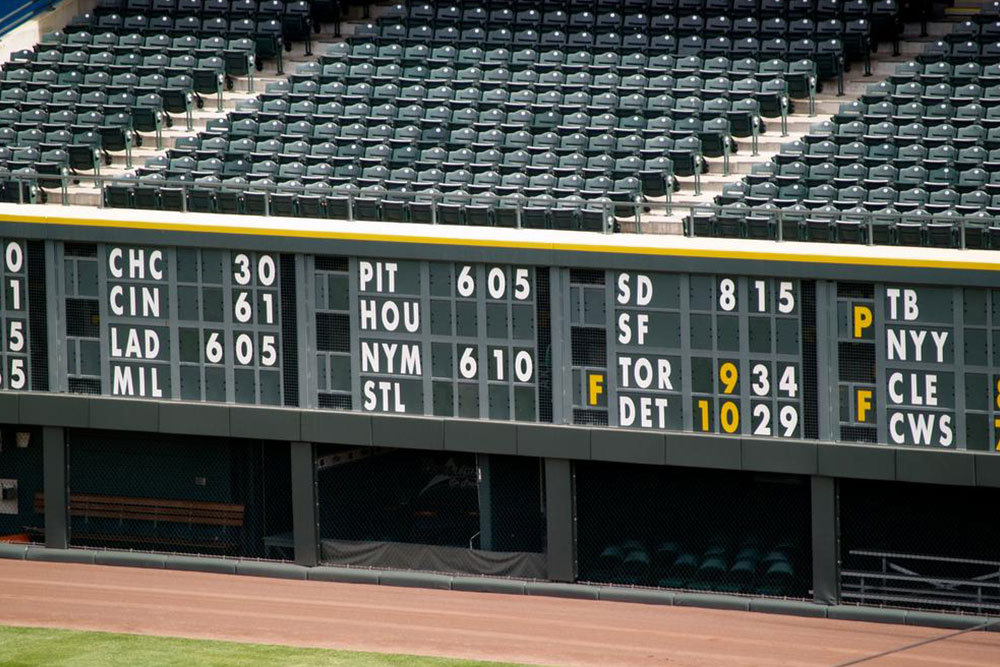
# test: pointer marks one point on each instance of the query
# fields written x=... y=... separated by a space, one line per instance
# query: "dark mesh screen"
x=437 y=509
x=38 y=321
x=289 y=330
x=723 y=531
x=919 y=545
x=20 y=480
x=192 y=495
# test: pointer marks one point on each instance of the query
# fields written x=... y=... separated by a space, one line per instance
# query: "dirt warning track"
x=448 y=623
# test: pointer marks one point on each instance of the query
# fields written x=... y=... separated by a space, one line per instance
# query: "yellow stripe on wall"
x=650 y=251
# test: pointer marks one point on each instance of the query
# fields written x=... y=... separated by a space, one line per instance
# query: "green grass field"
x=23 y=647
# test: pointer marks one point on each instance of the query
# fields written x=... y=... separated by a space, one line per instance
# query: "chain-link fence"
x=920 y=546
x=437 y=511
x=20 y=480
x=195 y=495
x=724 y=531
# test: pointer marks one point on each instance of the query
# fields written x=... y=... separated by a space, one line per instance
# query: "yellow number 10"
x=729 y=416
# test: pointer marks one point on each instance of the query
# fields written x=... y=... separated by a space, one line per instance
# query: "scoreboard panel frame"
x=553 y=252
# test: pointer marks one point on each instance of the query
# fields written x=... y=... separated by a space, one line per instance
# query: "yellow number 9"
x=997 y=394
x=729 y=376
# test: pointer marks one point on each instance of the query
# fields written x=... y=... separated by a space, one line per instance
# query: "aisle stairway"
x=883 y=63
x=88 y=193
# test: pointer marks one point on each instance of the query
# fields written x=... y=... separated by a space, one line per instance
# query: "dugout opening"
x=191 y=495
x=685 y=528
x=920 y=546
x=20 y=479
x=436 y=511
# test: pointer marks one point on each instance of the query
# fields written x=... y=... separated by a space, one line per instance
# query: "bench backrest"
x=150 y=509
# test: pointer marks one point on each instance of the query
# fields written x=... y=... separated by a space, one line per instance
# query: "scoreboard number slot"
x=496 y=283
x=250 y=349
x=14 y=373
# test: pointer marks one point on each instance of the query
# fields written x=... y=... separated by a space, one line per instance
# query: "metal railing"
x=621 y=211
x=28 y=187
x=875 y=227
x=895 y=580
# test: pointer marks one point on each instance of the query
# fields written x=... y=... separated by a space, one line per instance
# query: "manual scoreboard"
x=441 y=334
x=703 y=353
x=440 y=338
x=919 y=365
x=173 y=323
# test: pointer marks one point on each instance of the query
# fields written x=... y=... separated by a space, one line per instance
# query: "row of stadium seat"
x=358 y=119
x=490 y=167
x=544 y=79
x=944 y=72
x=961 y=52
x=876 y=193
x=419 y=61
x=298 y=17
x=942 y=167
x=269 y=35
x=854 y=225
x=115 y=129
x=228 y=8
x=445 y=12
x=81 y=55
x=407 y=167
x=692 y=44
x=456 y=208
x=659 y=24
x=972 y=31
x=747 y=569
x=828 y=55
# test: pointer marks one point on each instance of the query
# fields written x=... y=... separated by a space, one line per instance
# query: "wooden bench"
x=154 y=510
